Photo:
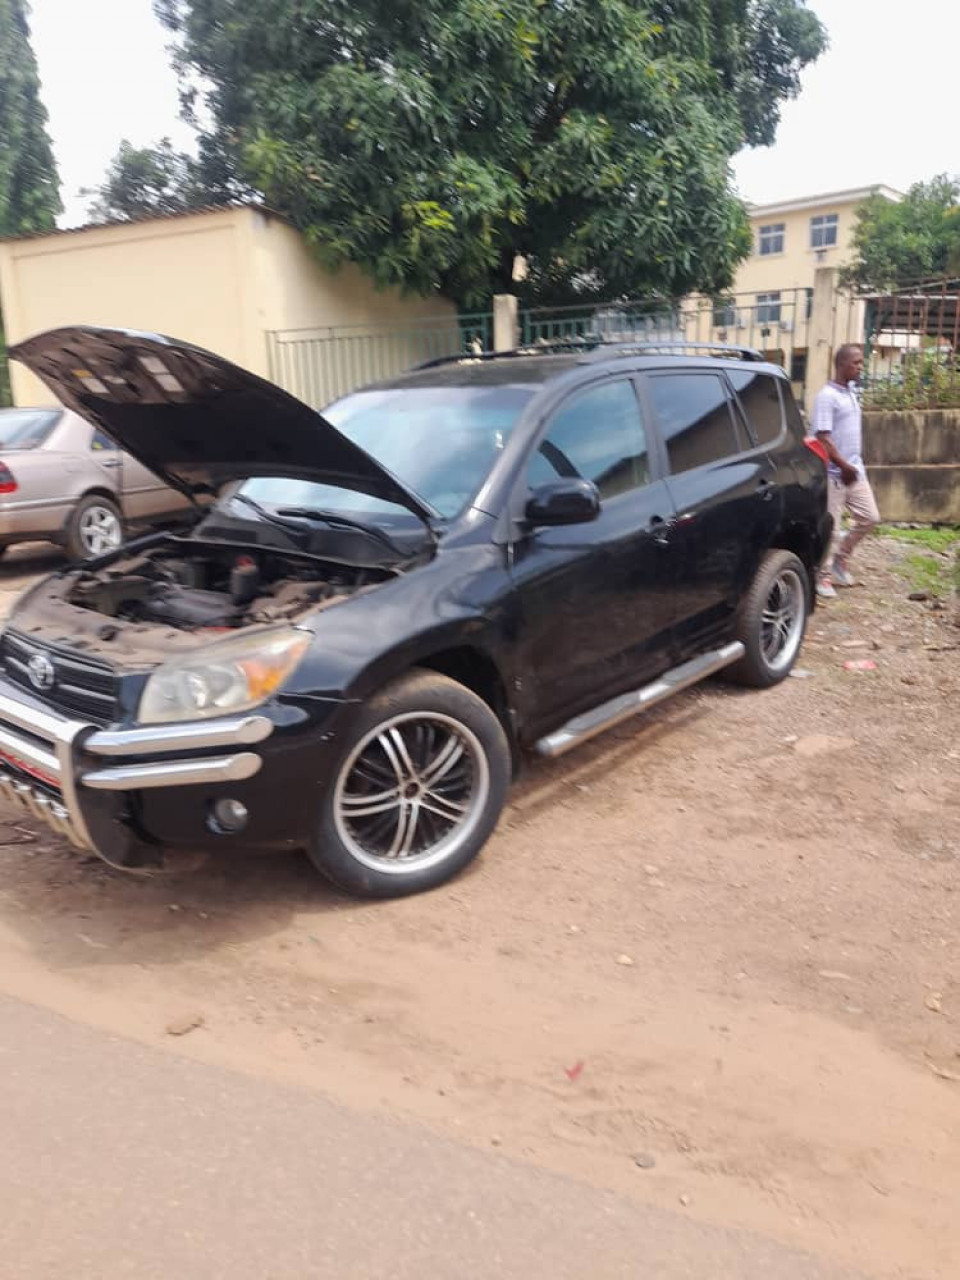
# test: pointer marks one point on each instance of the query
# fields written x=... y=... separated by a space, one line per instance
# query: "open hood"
x=196 y=420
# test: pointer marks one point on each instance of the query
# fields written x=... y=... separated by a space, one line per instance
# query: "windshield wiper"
x=341 y=522
x=288 y=526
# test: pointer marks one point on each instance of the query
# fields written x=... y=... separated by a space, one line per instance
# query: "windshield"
x=440 y=442
x=25 y=428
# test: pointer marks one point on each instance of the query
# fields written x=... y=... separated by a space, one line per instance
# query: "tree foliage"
x=431 y=141
x=916 y=239
x=145 y=181
x=29 y=187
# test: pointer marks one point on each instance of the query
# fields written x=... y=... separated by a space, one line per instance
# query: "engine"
x=214 y=588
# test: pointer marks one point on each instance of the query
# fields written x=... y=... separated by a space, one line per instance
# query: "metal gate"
x=321 y=365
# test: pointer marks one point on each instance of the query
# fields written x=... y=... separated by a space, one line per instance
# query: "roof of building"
x=147 y=217
x=854 y=195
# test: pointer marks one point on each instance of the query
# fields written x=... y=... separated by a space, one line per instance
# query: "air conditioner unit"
x=742 y=322
x=786 y=326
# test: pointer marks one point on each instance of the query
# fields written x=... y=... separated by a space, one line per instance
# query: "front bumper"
x=56 y=767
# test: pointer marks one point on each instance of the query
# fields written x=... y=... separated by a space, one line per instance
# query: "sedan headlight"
x=232 y=675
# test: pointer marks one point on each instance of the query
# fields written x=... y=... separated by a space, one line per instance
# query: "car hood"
x=196 y=420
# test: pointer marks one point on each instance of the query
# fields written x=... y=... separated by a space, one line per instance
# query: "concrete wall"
x=913 y=459
x=221 y=279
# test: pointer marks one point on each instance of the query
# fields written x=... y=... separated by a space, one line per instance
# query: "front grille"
x=84 y=687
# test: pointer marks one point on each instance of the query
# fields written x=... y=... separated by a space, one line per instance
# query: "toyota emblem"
x=42 y=672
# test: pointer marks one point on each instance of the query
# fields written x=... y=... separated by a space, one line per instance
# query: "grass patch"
x=944 y=538
x=930 y=567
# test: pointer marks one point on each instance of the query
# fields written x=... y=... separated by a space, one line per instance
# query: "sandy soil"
x=709 y=960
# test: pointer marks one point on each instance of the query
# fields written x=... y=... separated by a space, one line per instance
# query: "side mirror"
x=569 y=501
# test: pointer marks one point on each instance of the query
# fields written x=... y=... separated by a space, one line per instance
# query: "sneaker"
x=825 y=589
x=842 y=576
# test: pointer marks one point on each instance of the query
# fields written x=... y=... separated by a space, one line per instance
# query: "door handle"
x=110 y=462
x=660 y=530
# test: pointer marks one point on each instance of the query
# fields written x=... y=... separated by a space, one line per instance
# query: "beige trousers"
x=858 y=501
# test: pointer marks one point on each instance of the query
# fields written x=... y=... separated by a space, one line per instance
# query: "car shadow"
x=76 y=913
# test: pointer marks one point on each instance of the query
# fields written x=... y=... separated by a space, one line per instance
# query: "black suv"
x=379 y=610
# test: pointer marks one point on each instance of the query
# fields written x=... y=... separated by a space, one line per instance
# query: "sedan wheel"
x=418 y=790
x=99 y=530
x=95 y=528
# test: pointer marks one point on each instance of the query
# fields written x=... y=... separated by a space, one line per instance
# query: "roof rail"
x=718 y=349
x=597 y=348
x=561 y=346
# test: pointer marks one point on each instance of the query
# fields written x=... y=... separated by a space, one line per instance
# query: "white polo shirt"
x=836 y=412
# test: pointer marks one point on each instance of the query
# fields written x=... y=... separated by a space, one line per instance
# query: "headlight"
x=232 y=675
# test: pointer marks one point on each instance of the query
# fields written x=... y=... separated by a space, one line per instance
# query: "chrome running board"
x=588 y=725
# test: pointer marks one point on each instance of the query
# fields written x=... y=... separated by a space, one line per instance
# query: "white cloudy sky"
x=878 y=108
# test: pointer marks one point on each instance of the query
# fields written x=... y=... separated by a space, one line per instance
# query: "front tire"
x=772 y=621
x=419 y=787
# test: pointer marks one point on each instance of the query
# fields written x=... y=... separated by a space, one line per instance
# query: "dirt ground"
x=710 y=960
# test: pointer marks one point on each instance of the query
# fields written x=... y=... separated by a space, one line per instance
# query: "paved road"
x=119 y=1162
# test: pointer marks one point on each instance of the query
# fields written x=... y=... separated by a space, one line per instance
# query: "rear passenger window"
x=596 y=435
x=760 y=398
x=101 y=442
x=695 y=417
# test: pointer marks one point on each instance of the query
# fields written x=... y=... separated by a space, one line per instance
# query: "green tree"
x=29 y=187
x=142 y=181
x=915 y=239
x=432 y=141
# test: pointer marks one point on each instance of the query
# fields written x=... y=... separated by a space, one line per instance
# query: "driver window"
x=596 y=435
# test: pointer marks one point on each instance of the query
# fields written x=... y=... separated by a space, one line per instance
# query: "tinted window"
x=26 y=428
x=596 y=435
x=761 y=401
x=695 y=419
x=100 y=441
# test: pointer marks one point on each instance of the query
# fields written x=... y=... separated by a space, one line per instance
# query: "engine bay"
x=213 y=587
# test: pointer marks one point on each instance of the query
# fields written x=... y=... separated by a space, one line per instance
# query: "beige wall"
x=220 y=279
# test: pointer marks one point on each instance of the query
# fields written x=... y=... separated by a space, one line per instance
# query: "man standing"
x=838 y=425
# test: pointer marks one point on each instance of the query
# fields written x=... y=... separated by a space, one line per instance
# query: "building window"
x=768 y=308
x=772 y=238
x=724 y=313
x=823 y=231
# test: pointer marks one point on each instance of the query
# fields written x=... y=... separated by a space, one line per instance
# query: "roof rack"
x=599 y=349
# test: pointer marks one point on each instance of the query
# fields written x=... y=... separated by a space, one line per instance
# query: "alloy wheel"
x=412 y=792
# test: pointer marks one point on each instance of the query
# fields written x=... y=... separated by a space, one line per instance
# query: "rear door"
x=594 y=601
x=727 y=500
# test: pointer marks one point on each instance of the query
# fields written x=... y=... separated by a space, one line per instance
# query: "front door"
x=726 y=498
x=594 y=601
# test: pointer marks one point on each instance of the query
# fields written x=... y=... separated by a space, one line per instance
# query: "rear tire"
x=94 y=528
x=418 y=789
x=772 y=621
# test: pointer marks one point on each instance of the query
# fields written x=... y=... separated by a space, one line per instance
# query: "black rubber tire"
x=72 y=541
x=753 y=669
x=419 y=691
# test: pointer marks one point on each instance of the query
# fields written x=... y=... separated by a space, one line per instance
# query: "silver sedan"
x=62 y=481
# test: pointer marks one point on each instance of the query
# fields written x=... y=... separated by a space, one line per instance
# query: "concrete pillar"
x=506 y=322
x=820 y=333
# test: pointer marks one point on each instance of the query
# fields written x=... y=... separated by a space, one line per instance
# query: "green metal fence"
x=320 y=365
x=775 y=323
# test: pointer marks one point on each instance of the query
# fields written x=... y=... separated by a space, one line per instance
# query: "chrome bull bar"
x=40 y=758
